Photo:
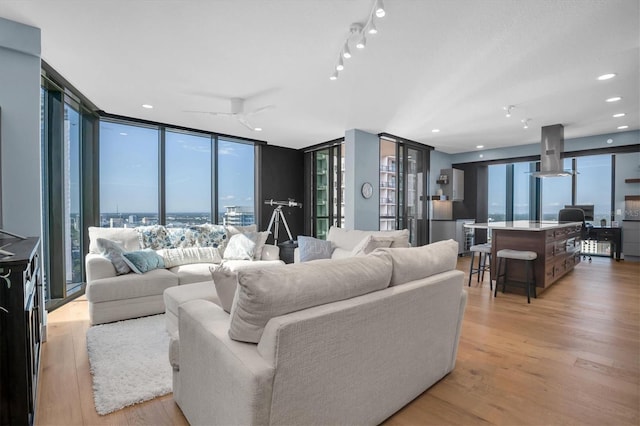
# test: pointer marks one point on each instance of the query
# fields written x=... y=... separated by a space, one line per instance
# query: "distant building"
x=116 y=222
x=236 y=217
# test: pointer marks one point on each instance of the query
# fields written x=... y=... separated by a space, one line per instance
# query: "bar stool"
x=484 y=252
x=528 y=257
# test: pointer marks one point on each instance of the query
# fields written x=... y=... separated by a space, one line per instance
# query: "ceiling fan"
x=237 y=111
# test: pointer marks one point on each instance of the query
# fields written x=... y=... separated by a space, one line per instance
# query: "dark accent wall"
x=474 y=206
x=281 y=178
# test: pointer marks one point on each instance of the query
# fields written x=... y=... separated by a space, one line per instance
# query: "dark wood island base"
x=556 y=244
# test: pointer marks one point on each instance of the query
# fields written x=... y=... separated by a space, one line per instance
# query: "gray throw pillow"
x=113 y=251
x=311 y=248
x=143 y=260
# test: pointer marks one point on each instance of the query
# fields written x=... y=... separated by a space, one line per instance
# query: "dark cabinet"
x=20 y=329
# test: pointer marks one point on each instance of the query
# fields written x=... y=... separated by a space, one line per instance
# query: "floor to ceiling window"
x=556 y=193
x=188 y=178
x=593 y=185
x=236 y=174
x=403 y=171
x=497 y=192
x=128 y=175
x=68 y=131
x=326 y=168
x=71 y=188
x=523 y=190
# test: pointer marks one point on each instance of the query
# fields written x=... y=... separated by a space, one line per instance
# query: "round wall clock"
x=367 y=190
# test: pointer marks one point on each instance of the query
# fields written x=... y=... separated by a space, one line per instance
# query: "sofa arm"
x=98 y=266
x=223 y=381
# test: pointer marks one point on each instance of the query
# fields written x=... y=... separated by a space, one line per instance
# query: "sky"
x=129 y=171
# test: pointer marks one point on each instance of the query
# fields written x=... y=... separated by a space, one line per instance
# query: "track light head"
x=362 y=43
x=334 y=76
x=340 y=65
x=346 y=53
x=379 y=9
x=508 y=108
x=525 y=123
x=372 y=28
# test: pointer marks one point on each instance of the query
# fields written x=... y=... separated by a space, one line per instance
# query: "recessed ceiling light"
x=257 y=129
x=435 y=131
x=622 y=127
x=609 y=141
x=123 y=134
x=479 y=146
x=621 y=114
x=606 y=76
x=481 y=155
x=614 y=99
x=147 y=106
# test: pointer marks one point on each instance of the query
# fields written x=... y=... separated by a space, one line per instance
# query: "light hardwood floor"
x=570 y=357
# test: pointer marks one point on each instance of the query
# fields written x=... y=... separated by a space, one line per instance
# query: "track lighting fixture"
x=357 y=35
x=525 y=123
x=346 y=53
x=379 y=9
x=362 y=43
x=508 y=108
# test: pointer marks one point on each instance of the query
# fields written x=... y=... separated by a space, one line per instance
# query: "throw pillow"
x=241 y=247
x=370 y=243
x=414 y=263
x=226 y=282
x=189 y=255
x=143 y=260
x=265 y=293
x=260 y=242
x=113 y=251
x=311 y=248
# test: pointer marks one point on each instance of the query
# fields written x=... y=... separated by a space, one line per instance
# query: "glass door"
x=415 y=207
x=403 y=177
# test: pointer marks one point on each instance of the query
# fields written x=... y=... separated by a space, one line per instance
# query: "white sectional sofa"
x=188 y=252
x=350 y=242
x=336 y=341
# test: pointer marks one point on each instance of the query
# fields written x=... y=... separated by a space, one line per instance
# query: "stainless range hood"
x=552 y=145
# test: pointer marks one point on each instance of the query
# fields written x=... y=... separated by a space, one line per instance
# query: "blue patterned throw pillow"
x=143 y=260
x=311 y=248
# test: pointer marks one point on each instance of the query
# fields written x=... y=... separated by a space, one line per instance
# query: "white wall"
x=20 y=122
x=362 y=164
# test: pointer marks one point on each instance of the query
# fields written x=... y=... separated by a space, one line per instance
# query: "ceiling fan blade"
x=225 y=114
x=246 y=123
x=257 y=110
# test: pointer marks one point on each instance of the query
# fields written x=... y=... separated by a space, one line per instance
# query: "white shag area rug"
x=129 y=362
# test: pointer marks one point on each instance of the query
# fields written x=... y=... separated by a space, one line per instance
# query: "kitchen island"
x=557 y=246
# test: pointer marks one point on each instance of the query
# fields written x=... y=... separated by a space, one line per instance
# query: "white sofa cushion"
x=126 y=237
x=192 y=273
x=413 y=263
x=348 y=239
x=152 y=283
x=270 y=292
x=188 y=255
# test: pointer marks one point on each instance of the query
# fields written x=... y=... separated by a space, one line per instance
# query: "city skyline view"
x=129 y=171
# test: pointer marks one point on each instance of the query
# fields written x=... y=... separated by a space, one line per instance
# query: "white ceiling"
x=446 y=64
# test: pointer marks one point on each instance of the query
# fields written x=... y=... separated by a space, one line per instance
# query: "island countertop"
x=522 y=225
